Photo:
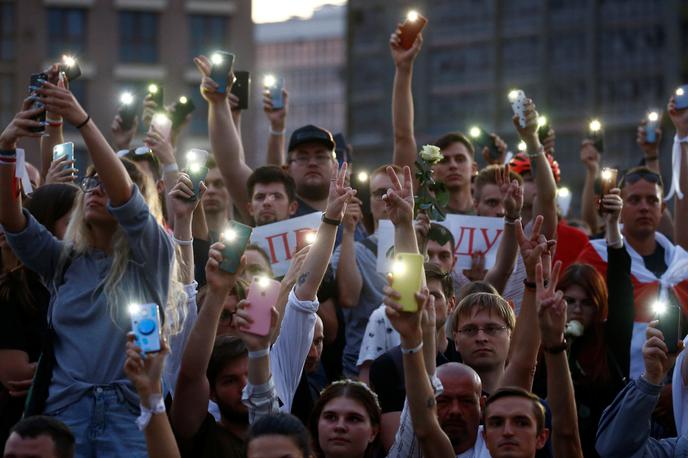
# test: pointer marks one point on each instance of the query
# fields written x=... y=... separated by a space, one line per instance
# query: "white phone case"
x=518 y=104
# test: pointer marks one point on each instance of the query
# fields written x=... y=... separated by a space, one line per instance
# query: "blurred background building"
x=311 y=56
x=121 y=44
x=611 y=59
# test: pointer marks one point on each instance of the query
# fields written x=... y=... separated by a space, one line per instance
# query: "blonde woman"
x=115 y=252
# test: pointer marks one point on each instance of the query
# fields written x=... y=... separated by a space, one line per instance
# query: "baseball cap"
x=311 y=134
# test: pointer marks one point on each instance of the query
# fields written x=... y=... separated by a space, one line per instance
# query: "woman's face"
x=273 y=446
x=580 y=306
x=95 y=205
x=228 y=308
x=344 y=429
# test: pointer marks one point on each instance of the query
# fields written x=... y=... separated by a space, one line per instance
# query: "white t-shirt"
x=379 y=337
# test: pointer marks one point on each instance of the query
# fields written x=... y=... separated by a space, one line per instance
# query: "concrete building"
x=121 y=44
x=610 y=59
x=310 y=54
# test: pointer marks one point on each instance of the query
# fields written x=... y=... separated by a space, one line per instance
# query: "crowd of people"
x=569 y=345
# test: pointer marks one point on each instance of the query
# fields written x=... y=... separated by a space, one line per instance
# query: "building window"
x=198 y=127
x=66 y=31
x=7 y=31
x=7 y=107
x=206 y=34
x=138 y=37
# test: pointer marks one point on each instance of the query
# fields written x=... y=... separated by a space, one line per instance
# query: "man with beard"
x=273 y=196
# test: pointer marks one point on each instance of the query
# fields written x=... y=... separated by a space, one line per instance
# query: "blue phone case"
x=145 y=324
x=650 y=134
x=68 y=151
x=220 y=73
x=682 y=100
x=276 y=94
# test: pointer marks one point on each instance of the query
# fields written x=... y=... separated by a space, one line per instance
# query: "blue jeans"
x=103 y=422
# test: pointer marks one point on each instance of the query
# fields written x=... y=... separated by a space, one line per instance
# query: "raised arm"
x=546 y=198
x=560 y=396
x=498 y=275
x=347 y=276
x=277 y=119
x=399 y=205
x=183 y=205
x=190 y=405
x=680 y=120
x=224 y=139
x=402 y=99
x=590 y=158
x=162 y=149
x=318 y=257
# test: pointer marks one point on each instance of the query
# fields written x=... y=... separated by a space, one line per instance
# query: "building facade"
x=310 y=54
x=610 y=59
x=121 y=45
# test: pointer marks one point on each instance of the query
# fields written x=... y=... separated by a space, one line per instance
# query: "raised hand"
x=501 y=148
x=145 y=372
x=532 y=248
x=590 y=157
x=219 y=281
x=149 y=109
x=62 y=102
x=399 y=198
x=161 y=146
x=611 y=205
x=550 y=142
x=20 y=125
x=295 y=266
x=656 y=355
x=339 y=195
x=61 y=171
x=422 y=228
x=650 y=150
x=407 y=324
x=529 y=133
x=208 y=86
x=403 y=58
x=242 y=320
x=183 y=200
x=477 y=271
x=512 y=192
x=679 y=118
x=353 y=215
x=123 y=137
x=277 y=118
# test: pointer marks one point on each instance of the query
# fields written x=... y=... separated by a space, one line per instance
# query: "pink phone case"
x=262 y=295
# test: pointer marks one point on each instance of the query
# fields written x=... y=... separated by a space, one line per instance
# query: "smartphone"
x=163 y=124
x=670 y=325
x=275 y=85
x=262 y=295
x=407 y=277
x=608 y=180
x=196 y=160
x=64 y=150
x=242 y=88
x=127 y=110
x=543 y=131
x=180 y=110
x=35 y=83
x=412 y=26
x=222 y=64
x=70 y=67
x=518 y=104
x=596 y=134
x=681 y=97
x=651 y=126
x=156 y=93
x=235 y=238
x=305 y=237
x=145 y=324
x=483 y=139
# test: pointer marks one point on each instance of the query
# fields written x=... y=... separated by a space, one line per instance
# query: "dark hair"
x=637 y=173
x=433 y=272
x=50 y=202
x=592 y=355
x=516 y=392
x=272 y=174
x=226 y=350
x=440 y=234
x=360 y=393
x=283 y=424
x=149 y=158
x=39 y=425
x=455 y=137
x=488 y=175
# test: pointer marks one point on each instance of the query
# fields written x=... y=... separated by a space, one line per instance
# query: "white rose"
x=431 y=154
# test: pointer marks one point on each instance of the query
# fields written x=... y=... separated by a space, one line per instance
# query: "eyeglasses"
x=88 y=184
x=646 y=175
x=320 y=159
x=490 y=330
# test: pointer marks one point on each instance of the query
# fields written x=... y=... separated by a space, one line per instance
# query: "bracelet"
x=410 y=351
x=510 y=220
x=8 y=160
x=530 y=285
x=183 y=242
x=169 y=168
x=157 y=407
x=88 y=118
x=8 y=152
x=53 y=122
x=278 y=132
x=258 y=353
x=333 y=222
x=538 y=153
x=557 y=348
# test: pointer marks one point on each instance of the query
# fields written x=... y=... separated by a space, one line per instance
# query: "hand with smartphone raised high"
x=219 y=281
x=61 y=170
x=184 y=202
x=277 y=118
x=61 y=101
x=208 y=86
x=656 y=355
x=407 y=324
x=529 y=133
x=122 y=137
x=145 y=372
x=399 y=198
x=650 y=150
x=679 y=118
x=242 y=319
x=404 y=58
x=161 y=146
x=20 y=125
x=501 y=149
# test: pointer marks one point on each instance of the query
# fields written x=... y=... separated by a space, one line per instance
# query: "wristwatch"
x=334 y=222
x=556 y=348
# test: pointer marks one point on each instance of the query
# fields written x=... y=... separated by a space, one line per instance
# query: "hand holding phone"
x=70 y=67
x=196 y=167
x=275 y=85
x=242 y=88
x=669 y=322
x=222 y=63
x=484 y=140
x=180 y=110
x=412 y=26
x=65 y=150
x=163 y=124
x=155 y=93
x=681 y=97
x=651 y=126
x=235 y=238
x=262 y=297
x=518 y=105
x=127 y=109
x=596 y=135
x=407 y=278
x=35 y=83
x=145 y=324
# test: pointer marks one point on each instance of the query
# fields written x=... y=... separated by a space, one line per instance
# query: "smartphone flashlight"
x=606 y=174
x=59 y=149
x=680 y=91
x=126 y=98
x=229 y=235
x=160 y=118
x=269 y=80
x=659 y=308
x=653 y=116
x=595 y=126
x=362 y=176
x=183 y=100
x=398 y=268
x=542 y=121
x=263 y=281
x=522 y=146
x=216 y=58
x=69 y=61
x=513 y=95
x=412 y=16
x=475 y=132
x=153 y=88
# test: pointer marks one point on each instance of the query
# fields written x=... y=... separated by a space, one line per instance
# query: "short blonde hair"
x=478 y=302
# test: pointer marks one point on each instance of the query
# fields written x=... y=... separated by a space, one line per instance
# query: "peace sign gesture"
x=399 y=198
x=339 y=195
x=550 y=304
x=532 y=248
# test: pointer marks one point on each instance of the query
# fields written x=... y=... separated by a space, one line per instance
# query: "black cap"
x=311 y=134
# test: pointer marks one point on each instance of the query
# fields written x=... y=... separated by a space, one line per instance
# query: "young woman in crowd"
x=115 y=252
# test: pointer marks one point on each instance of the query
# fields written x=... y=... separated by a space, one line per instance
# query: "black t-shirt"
x=655 y=262
x=214 y=441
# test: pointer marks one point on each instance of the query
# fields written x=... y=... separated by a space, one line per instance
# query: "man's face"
x=312 y=165
x=511 y=429
x=41 y=446
x=270 y=203
x=456 y=169
x=441 y=302
x=216 y=197
x=458 y=410
x=489 y=347
x=379 y=184
x=440 y=255
x=315 y=352
x=227 y=387
x=490 y=203
x=642 y=208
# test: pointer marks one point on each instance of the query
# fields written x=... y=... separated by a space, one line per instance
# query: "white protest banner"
x=472 y=234
x=280 y=239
